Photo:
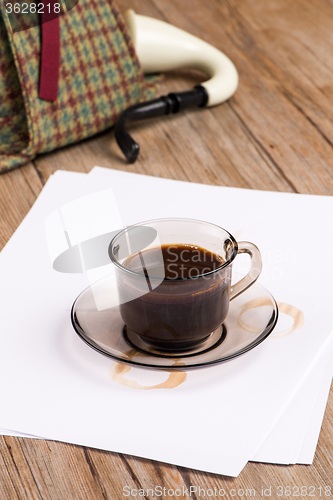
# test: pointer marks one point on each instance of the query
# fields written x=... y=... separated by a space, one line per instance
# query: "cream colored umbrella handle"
x=162 y=47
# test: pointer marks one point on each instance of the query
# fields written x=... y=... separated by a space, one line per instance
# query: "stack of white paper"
x=266 y=405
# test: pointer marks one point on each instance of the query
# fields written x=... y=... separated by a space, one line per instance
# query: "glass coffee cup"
x=174 y=280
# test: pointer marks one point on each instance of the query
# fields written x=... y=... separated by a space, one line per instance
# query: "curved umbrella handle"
x=162 y=47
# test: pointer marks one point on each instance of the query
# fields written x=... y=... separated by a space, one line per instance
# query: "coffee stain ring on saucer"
x=296 y=314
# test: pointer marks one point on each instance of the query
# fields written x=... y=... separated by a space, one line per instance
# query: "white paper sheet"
x=294 y=436
x=303 y=404
x=67 y=392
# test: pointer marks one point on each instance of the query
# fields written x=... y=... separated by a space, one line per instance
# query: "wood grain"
x=275 y=134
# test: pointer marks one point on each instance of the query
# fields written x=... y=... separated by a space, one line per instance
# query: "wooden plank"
x=18 y=191
x=261 y=102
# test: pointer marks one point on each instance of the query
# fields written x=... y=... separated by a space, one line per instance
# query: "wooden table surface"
x=275 y=133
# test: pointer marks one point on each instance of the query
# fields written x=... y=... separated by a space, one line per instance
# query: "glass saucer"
x=251 y=318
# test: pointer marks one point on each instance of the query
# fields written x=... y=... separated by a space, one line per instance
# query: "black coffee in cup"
x=186 y=306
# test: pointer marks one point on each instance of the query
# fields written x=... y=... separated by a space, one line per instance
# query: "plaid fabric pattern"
x=13 y=124
x=99 y=77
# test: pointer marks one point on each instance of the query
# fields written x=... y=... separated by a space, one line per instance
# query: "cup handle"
x=254 y=272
